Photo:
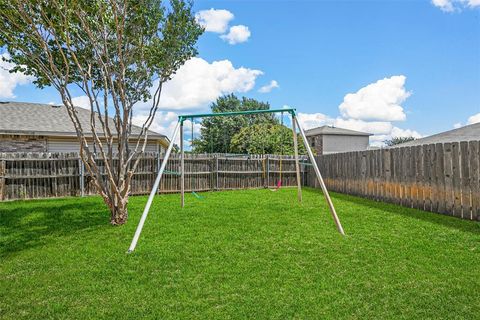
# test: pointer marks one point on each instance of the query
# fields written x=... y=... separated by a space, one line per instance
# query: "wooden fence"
x=442 y=178
x=45 y=175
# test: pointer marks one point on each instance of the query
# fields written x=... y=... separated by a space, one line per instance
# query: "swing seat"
x=197 y=195
x=306 y=164
x=172 y=172
x=279 y=184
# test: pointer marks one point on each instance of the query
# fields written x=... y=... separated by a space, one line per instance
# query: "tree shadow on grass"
x=427 y=216
x=28 y=224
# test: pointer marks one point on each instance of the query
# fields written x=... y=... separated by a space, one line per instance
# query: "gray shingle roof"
x=466 y=133
x=334 y=131
x=47 y=120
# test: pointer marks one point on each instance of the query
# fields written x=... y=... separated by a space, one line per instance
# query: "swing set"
x=180 y=128
x=227 y=155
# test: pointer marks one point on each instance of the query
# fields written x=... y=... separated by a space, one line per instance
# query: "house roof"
x=328 y=130
x=466 y=133
x=49 y=120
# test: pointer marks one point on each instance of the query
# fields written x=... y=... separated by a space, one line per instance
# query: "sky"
x=391 y=68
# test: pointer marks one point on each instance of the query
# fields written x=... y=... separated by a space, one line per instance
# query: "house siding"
x=325 y=143
x=341 y=143
x=72 y=145
x=21 y=143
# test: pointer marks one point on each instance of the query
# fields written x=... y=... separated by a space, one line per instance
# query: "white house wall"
x=341 y=143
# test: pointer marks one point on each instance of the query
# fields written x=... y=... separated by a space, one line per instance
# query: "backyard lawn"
x=237 y=254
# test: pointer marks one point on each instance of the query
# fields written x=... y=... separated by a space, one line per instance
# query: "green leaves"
x=398 y=140
x=117 y=46
x=265 y=139
x=260 y=133
x=115 y=52
x=217 y=133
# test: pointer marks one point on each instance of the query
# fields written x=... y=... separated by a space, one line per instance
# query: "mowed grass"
x=235 y=255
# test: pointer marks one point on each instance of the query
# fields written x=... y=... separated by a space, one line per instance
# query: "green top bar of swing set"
x=184 y=117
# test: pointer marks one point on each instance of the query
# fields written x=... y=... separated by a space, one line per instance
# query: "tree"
x=265 y=139
x=398 y=140
x=118 y=54
x=217 y=132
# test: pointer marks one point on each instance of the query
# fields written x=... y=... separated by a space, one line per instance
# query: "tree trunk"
x=119 y=212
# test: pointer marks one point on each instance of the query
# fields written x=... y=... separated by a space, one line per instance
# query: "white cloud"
x=269 y=87
x=9 y=81
x=455 y=5
x=374 y=127
x=471 y=120
x=214 y=20
x=381 y=130
x=313 y=120
x=237 y=34
x=195 y=84
x=404 y=133
x=474 y=119
x=165 y=122
x=82 y=102
x=377 y=101
x=444 y=5
x=198 y=83
x=217 y=21
x=378 y=140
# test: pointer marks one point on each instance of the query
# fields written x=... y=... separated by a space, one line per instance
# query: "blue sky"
x=320 y=51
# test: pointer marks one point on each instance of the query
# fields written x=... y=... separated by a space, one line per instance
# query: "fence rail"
x=46 y=175
x=442 y=178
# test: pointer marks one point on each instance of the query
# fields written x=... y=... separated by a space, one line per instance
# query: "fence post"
x=2 y=179
x=268 y=171
x=215 y=172
x=158 y=154
x=81 y=175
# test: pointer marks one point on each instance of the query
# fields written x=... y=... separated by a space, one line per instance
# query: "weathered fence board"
x=457 y=202
x=45 y=175
x=474 y=178
x=443 y=178
x=449 y=194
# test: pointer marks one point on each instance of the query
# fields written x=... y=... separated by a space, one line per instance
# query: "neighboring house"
x=466 y=133
x=326 y=139
x=33 y=127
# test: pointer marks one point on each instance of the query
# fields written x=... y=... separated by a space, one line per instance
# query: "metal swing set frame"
x=180 y=128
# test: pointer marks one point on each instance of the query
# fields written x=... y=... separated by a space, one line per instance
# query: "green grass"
x=238 y=254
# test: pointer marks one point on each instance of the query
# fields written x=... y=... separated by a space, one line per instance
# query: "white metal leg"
x=297 y=164
x=320 y=179
x=153 y=192
x=182 y=168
